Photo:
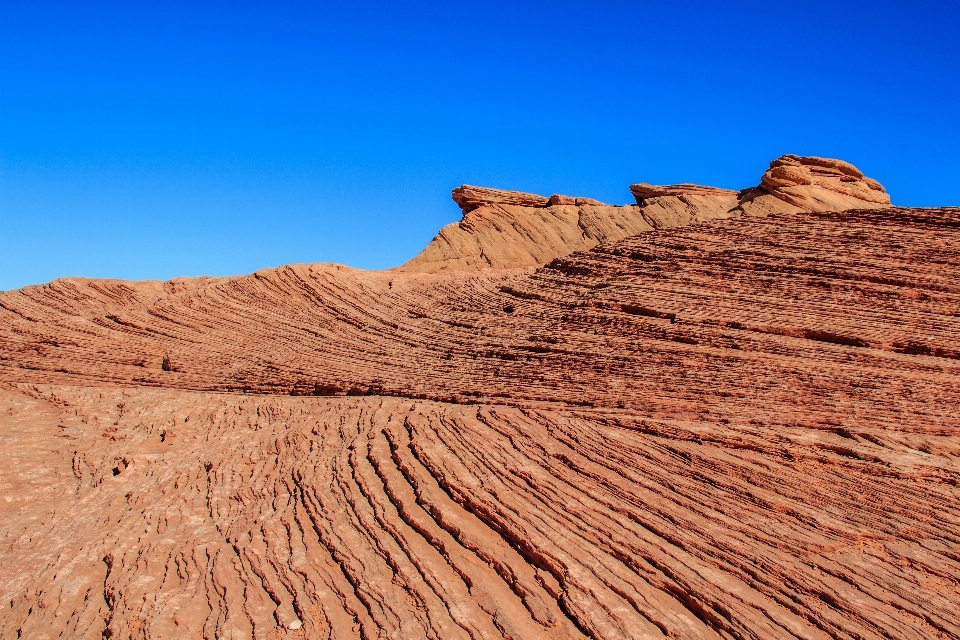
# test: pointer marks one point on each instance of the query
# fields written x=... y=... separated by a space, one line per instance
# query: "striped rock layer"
x=744 y=428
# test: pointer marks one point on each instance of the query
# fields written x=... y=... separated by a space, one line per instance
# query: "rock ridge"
x=740 y=420
x=513 y=229
x=469 y=198
x=808 y=183
x=642 y=191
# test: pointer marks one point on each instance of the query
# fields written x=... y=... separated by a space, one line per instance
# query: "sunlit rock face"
x=723 y=424
x=794 y=183
x=503 y=229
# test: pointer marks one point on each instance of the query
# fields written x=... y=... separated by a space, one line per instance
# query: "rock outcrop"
x=642 y=191
x=794 y=183
x=510 y=236
x=727 y=430
x=469 y=198
x=509 y=229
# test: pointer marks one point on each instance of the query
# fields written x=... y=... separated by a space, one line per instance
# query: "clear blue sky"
x=154 y=140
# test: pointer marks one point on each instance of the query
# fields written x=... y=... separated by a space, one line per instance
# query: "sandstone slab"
x=511 y=229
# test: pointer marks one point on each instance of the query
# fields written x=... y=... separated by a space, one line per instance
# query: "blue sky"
x=153 y=140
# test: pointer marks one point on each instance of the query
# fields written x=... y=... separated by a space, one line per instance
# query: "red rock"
x=557 y=199
x=642 y=191
x=510 y=229
x=502 y=234
x=743 y=428
x=796 y=183
x=469 y=198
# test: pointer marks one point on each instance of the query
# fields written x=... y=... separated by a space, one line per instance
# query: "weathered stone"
x=642 y=191
x=469 y=198
x=510 y=229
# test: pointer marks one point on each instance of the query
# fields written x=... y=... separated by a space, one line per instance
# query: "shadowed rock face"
x=509 y=229
x=745 y=428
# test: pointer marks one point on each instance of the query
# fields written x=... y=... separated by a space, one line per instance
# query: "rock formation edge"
x=510 y=229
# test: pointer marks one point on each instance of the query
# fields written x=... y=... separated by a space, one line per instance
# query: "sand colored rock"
x=725 y=430
x=642 y=191
x=794 y=183
x=560 y=199
x=469 y=198
x=513 y=236
x=510 y=229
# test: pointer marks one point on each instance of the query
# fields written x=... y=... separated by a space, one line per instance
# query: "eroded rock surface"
x=642 y=191
x=510 y=229
x=795 y=183
x=746 y=428
x=469 y=198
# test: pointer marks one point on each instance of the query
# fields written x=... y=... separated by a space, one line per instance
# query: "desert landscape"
x=704 y=414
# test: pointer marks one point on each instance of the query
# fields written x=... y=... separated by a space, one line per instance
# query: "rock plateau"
x=709 y=414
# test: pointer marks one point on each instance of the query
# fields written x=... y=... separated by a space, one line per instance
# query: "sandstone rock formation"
x=469 y=198
x=642 y=191
x=506 y=229
x=725 y=430
x=794 y=183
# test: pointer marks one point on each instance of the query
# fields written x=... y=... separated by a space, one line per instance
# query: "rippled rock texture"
x=744 y=428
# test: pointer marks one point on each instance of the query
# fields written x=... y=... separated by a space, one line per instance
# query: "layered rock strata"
x=642 y=191
x=504 y=229
x=727 y=430
x=469 y=198
x=508 y=229
x=793 y=184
